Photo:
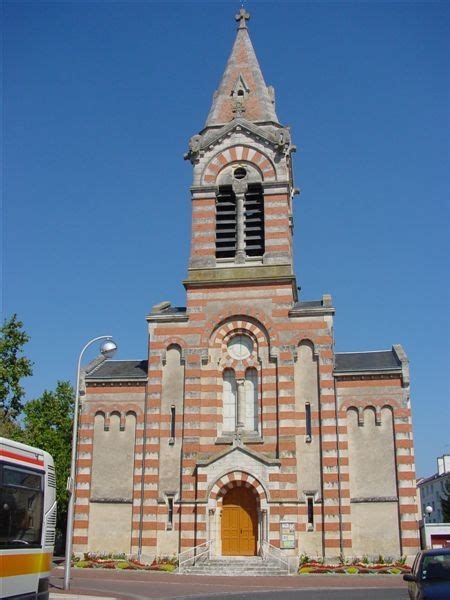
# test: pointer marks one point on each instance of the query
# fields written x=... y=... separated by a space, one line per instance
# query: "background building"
x=243 y=427
x=432 y=489
x=435 y=528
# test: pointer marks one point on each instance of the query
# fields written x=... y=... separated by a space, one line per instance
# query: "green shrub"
x=83 y=564
x=305 y=570
x=123 y=564
x=167 y=567
x=395 y=571
x=352 y=570
x=304 y=558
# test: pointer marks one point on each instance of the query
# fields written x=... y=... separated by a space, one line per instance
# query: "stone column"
x=240 y=187
x=240 y=229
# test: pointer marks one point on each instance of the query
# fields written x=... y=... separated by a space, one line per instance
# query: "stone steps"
x=236 y=566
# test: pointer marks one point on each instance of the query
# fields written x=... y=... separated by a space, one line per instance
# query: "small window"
x=240 y=172
x=170 y=512
x=310 y=513
x=172 y=424
x=308 y=422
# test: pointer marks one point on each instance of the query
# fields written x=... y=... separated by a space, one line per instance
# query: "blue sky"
x=100 y=99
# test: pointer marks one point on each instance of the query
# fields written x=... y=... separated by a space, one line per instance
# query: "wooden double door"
x=239 y=528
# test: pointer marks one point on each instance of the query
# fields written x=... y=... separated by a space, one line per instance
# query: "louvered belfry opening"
x=226 y=222
x=227 y=217
x=254 y=220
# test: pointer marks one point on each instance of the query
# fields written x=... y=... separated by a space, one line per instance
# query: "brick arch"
x=391 y=403
x=377 y=406
x=122 y=409
x=174 y=341
x=234 y=319
x=238 y=153
x=307 y=341
x=237 y=478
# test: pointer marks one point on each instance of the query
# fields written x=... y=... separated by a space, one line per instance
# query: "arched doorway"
x=239 y=527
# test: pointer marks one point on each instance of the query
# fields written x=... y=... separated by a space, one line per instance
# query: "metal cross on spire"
x=242 y=17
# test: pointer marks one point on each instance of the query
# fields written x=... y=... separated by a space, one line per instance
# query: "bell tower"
x=242 y=182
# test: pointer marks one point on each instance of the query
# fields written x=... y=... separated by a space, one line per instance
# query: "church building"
x=242 y=432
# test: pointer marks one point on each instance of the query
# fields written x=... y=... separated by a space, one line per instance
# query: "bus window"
x=21 y=507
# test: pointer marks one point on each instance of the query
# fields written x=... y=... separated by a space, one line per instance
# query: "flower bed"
x=120 y=562
x=355 y=568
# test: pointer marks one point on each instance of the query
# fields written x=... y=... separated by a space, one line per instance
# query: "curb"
x=54 y=596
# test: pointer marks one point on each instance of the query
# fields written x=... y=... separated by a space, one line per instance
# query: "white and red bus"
x=27 y=520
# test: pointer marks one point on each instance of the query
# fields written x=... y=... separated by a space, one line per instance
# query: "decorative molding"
x=101 y=500
x=116 y=383
x=362 y=499
x=366 y=375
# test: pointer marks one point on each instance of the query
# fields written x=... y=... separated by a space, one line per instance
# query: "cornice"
x=169 y=318
x=312 y=312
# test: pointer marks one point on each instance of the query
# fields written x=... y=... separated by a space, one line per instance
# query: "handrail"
x=206 y=549
x=267 y=550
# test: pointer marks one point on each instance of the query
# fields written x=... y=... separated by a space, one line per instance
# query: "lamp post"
x=107 y=349
x=428 y=511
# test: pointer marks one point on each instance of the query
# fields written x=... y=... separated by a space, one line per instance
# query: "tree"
x=445 y=502
x=13 y=367
x=48 y=425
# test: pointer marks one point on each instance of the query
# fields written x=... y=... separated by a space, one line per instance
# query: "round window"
x=239 y=173
x=240 y=347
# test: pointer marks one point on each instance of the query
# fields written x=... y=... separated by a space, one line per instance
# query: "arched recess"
x=172 y=407
x=372 y=481
x=111 y=494
x=113 y=452
x=231 y=483
x=306 y=381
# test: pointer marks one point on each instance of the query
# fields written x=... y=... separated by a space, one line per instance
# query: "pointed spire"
x=242 y=91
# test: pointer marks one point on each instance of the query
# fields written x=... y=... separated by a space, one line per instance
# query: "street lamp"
x=107 y=350
x=428 y=510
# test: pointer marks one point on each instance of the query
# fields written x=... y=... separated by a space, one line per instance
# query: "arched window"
x=251 y=400
x=229 y=400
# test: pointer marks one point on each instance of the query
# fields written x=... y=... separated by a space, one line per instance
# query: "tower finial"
x=242 y=17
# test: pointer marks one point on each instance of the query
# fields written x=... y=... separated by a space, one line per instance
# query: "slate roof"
x=380 y=360
x=119 y=369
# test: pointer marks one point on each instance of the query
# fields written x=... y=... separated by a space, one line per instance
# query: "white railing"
x=190 y=556
x=269 y=552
